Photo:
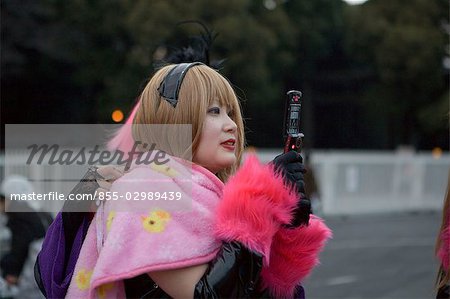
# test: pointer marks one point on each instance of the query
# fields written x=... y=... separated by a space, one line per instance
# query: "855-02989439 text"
x=169 y=196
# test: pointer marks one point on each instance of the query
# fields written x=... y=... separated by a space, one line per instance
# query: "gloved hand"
x=290 y=165
x=234 y=273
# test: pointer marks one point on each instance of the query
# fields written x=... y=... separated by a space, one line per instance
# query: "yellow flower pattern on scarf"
x=103 y=289
x=156 y=221
x=83 y=279
x=164 y=170
x=110 y=219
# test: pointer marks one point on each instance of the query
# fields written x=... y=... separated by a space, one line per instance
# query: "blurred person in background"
x=27 y=228
x=311 y=186
x=443 y=250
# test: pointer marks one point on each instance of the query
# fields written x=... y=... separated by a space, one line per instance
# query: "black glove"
x=290 y=165
x=234 y=273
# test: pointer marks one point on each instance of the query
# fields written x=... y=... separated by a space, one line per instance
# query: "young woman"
x=226 y=233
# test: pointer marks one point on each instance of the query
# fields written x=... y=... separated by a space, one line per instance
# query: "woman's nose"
x=230 y=125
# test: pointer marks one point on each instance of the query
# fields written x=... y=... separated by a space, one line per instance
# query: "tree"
x=77 y=61
x=403 y=43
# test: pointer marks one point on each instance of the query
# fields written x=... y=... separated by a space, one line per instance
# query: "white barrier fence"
x=356 y=182
x=350 y=182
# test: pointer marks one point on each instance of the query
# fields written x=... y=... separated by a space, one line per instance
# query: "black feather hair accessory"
x=197 y=51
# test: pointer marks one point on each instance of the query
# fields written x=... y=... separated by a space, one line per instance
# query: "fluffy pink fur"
x=294 y=253
x=444 y=251
x=123 y=139
x=255 y=203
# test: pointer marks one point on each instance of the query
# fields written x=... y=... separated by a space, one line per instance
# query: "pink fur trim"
x=294 y=253
x=444 y=251
x=255 y=203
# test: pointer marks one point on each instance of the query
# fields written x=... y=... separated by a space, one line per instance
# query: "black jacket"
x=234 y=273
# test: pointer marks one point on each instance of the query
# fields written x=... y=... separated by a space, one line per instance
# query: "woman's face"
x=217 y=146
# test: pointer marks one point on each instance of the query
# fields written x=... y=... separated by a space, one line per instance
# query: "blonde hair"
x=443 y=276
x=200 y=87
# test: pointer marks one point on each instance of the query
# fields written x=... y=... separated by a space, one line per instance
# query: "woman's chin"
x=222 y=164
x=229 y=161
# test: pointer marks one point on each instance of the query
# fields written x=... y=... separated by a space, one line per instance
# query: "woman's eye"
x=231 y=113
x=214 y=110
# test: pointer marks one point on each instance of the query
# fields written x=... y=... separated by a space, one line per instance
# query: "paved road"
x=378 y=256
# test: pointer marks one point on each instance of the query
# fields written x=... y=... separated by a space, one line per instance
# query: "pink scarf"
x=128 y=238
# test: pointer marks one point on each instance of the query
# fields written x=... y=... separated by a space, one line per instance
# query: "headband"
x=170 y=86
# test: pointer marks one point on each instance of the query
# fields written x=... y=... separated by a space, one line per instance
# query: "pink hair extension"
x=123 y=139
x=444 y=251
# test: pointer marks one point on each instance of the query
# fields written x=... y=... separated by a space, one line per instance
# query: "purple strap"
x=55 y=267
x=299 y=293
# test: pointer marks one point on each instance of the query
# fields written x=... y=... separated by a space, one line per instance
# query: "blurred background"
x=374 y=75
x=375 y=81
